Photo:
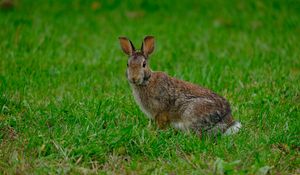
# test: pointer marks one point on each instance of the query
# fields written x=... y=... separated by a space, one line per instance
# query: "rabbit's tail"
x=233 y=129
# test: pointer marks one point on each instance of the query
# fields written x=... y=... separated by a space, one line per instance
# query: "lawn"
x=67 y=108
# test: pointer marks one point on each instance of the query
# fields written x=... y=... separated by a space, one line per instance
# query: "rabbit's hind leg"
x=212 y=126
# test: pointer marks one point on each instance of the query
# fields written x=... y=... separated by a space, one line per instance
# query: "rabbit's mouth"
x=136 y=81
x=140 y=81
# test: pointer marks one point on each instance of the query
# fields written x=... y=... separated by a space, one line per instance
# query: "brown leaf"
x=95 y=5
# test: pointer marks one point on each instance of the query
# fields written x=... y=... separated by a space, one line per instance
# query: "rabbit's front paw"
x=162 y=120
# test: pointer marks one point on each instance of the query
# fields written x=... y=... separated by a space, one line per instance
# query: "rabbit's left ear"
x=126 y=45
x=148 y=45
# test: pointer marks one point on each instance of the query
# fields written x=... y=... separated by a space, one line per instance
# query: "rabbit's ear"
x=148 y=45
x=126 y=45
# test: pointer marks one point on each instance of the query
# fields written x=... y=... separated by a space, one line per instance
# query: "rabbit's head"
x=138 y=71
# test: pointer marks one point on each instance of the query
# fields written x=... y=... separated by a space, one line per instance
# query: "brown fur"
x=168 y=100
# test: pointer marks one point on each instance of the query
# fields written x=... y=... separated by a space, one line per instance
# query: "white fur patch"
x=233 y=129
x=184 y=126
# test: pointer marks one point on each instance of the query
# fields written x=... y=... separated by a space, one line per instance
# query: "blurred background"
x=61 y=33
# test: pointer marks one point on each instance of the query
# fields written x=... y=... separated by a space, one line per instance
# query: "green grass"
x=66 y=106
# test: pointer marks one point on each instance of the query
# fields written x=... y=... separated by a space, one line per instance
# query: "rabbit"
x=170 y=101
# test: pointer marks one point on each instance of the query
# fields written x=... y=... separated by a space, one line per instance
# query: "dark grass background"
x=66 y=106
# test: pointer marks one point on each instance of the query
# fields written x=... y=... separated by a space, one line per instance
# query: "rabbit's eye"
x=144 y=64
x=127 y=65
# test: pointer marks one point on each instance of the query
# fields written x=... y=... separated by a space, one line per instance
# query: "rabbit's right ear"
x=148 y=45
x=126 y=45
